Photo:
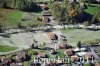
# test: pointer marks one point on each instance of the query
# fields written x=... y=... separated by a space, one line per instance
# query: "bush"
x=32 y=46
x=23 y=5
x=35 y=52
x=19 y=25
x=79 y=44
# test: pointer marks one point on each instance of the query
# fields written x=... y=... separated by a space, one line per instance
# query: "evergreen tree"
x=55 y=9
x=19 y=25
x=1 y=27
x=79 y=44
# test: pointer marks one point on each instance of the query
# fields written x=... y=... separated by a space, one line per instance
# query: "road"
x=94 y=54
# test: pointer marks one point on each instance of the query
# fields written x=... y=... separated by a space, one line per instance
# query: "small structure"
x=43 y=6
x=97 y=64
x=81 y=53
x=53 y=51
x=69 y=52
x=80 y=49
x=42 y=55
x=74 y=58
x=6 y=61
x=21 y=56
x=89 y=56
x=63 y=46
x=52 y=35
x=46 y=14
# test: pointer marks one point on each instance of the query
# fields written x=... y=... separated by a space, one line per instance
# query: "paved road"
x=94 y=54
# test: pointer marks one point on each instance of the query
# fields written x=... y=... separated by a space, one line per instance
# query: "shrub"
x=35 y=52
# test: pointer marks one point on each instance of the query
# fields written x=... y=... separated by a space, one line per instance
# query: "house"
x=42 y=55
x=43 y=5
x=69 y=52
x=6 y=60
x=52 y=35
x=64 y=46
x=45 y=15
x=81 y=53
x=53 y=51
x=89 y=56
x=80 y=49
x=74 y=58
x=21 y=56
x=61 y=46
x=97 y=64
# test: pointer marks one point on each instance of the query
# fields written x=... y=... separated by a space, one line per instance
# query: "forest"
x=24 y=5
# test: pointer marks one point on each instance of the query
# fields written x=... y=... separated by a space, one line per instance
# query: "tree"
x=4 y=4
x=14 y=3
x=24 y=5
x=89 y=1
x=98 y=12
x=79 y=44
x=19 y=25
x=55 y=9
x=32 y=45
x=72 y=11
x=29 y=6
x=65 y=2
x=1 y=26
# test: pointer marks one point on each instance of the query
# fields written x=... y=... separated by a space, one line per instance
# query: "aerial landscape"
x=49 y=32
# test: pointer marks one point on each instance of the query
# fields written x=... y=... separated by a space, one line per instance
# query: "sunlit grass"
x=6 y=48
x=75 y=35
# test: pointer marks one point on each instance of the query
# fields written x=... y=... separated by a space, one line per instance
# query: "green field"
x=61 y=53
x=92 y=9
x=6 y=48
x=14 y=17
x=75 y=35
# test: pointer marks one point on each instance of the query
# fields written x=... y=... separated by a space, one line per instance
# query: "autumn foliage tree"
x=72 y=11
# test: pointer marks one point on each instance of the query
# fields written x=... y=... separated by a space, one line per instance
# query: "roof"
x=74 y=58
x=69 y=52
x=20 y=55
x=97 y=64
x=79 y=49
x=41 y=55
x=5 y=60
x=81 y=53
x=88 y=55
x=52 y=35
x=46 y=13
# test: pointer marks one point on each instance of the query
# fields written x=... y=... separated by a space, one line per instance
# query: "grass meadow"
x=75 y=35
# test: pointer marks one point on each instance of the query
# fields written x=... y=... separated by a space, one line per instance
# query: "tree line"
x=72 y=13
x=24 y=5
